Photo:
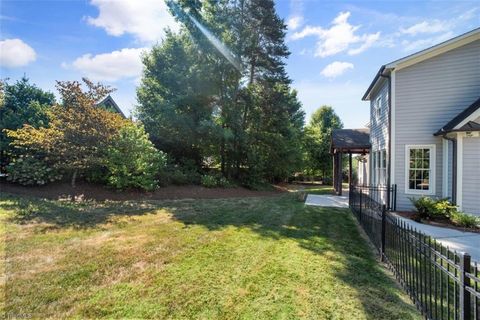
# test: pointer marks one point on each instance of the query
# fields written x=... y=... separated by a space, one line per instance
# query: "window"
x=420 y=173
x=379 y=169
x=377 y=107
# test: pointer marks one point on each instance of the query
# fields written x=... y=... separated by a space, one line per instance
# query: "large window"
x=379 y=170
x=420 y=173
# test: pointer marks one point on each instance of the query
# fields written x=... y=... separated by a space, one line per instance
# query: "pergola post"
x=339 y=172
x=350 y=182
x=334 y=158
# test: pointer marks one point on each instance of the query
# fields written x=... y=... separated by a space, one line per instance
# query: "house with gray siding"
x=425 y=124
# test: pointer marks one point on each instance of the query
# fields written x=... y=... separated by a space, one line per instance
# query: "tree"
x=219 y=89
x=318 y=135
x=132 y=161
x=21 y=103
x=78 y=133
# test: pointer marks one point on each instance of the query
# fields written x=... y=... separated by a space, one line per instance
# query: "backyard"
x=250 y=258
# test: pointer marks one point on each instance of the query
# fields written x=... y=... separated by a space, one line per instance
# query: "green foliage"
x=133 y=161
x=209 y=181
x=433 y=208
x=78 y=133
x=197 y=105
x=28 y=170
x=465 y=220
x=21 y=104
x=317 y=140
x=215 y=181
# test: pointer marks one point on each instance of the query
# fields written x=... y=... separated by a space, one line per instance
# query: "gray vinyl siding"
x=428 y=95
x=471 y=176
x=378 y=125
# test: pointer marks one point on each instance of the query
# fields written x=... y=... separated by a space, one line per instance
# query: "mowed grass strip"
x=255 y=258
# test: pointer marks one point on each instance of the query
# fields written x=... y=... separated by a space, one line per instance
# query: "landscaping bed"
x=438 y=222
x=255 y=258
x=88 y=191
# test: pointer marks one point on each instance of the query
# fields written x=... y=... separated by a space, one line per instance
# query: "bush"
x=28 y=170
x=433 y=208
x=424 y=205
x=209 y=181
x=132 y=161
x=465 y=220
x=215 y=181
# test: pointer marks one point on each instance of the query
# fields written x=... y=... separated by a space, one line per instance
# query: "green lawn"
x=253 y=258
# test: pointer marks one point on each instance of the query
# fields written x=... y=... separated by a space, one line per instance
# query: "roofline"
x=424 y=54
x=115 y=105
x=469 y=114
x=475 y=34
x=374 y=82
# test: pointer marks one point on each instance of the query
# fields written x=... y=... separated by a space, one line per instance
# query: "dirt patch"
x=442 y=222
x=86 y=191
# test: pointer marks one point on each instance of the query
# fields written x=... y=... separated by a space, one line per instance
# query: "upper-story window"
x=377 y=107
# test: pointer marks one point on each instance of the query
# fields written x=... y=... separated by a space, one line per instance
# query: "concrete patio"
x=326 y=200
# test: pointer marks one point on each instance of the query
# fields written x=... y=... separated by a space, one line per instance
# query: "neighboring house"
x=109 y=104
x=425 y=124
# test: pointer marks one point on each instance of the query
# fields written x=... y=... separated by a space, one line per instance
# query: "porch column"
x=340 y=175
x=334 y=171
x=350 y=182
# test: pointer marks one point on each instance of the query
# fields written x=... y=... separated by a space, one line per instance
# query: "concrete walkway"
x=454 y=239
x=326 y=200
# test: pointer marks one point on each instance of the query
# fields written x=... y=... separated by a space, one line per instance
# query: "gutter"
x=454 y=167
x=389 y=164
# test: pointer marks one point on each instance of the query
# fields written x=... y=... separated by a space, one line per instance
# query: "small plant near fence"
x=443 y=284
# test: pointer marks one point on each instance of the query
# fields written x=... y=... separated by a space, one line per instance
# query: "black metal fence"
x=379 y=195
x=442 y=283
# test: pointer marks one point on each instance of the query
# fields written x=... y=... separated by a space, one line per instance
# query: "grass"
x=255 y=258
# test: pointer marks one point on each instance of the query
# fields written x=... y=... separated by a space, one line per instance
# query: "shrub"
x=28 y=170
x=132 y=161
x=209 y=181
x=424 y=205
x=213 y=181
x=433 y=208
x=465 y=220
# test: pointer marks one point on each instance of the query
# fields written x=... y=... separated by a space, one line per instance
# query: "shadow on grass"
x=61 y=214
x=319 y=230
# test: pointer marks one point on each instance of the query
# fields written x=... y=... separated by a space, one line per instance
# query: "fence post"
x=384 y=220
x=360 y=203
x=465 y=307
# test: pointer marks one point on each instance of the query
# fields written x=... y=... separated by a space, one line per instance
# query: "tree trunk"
x=74 y=177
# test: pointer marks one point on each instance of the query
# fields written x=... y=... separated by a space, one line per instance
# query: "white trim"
x=393 y=131
x=471 y=117
x=459 y=170
x=444 y=168
x=435 y=50
x=433 y=176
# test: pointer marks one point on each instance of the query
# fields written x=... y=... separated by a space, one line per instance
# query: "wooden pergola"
x=347 y=141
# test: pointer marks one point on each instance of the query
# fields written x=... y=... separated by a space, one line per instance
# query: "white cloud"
x=295 y=22
x=433 y=26
x=411 y=45
x=336 y=69
x=145 y=19
x=125 y=63
x=15 y=53
x=341 y=36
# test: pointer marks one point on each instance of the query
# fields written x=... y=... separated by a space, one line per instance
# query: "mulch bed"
x=444 y=223
x=87 y=191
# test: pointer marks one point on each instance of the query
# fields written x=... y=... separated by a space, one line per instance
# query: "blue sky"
x=337 y=46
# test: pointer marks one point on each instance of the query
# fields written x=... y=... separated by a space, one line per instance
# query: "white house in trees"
x=425 y=124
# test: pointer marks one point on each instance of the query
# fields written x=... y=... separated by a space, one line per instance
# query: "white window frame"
x=432 y=174
x=377 y=107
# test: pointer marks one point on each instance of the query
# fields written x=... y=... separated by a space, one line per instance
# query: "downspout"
x=454 y=167
x=389 y=130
